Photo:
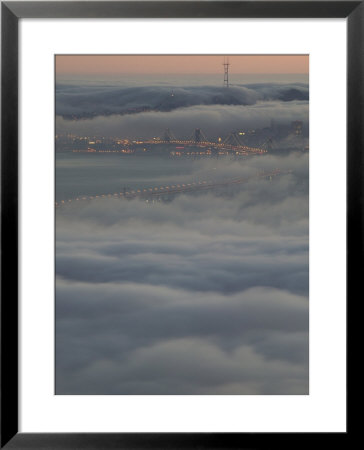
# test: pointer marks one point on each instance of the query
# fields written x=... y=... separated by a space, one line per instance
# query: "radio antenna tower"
x=226 y=71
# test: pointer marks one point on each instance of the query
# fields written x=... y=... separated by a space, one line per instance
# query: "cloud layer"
x=76 y=101
x=205 y=294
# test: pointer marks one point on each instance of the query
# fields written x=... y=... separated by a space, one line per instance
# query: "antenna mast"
x=226 y=71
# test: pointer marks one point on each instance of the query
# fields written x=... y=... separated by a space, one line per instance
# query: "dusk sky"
x=172 y=64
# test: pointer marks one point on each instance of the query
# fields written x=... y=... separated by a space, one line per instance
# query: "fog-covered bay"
x=194 y=292
x=201 y=294
x=94 y=174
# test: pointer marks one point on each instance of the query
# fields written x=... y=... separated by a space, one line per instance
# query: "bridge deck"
x=174 y=188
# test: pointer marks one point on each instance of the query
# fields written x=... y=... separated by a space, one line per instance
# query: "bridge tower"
x=198 y=136
x=268 y=144
x=226 y=71
x=168 y=135
x=233 y=139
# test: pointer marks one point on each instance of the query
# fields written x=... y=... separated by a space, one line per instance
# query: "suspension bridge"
x=232 y=142
x=173 y=189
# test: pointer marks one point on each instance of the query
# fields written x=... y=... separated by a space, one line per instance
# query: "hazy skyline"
x=180 y=64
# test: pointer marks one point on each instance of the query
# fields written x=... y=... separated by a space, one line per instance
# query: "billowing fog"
x=201 y=294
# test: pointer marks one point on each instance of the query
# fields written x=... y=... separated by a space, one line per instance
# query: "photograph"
x=181 y=224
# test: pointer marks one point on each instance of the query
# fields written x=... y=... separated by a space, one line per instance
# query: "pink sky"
x=179 y=64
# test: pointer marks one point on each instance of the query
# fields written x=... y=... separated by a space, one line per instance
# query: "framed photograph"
x=181 y=210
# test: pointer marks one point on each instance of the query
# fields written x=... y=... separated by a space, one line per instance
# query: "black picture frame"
x=11 y=13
